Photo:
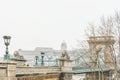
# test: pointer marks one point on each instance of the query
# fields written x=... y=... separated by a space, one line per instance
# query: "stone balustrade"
x=36 y=70
x=9 y=71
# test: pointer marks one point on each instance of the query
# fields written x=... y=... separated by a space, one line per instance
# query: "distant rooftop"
x=43 y=48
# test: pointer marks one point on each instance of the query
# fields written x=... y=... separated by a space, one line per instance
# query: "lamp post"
x=42 y=56
x=56 y=63
x=36 y=59
x=7 y=43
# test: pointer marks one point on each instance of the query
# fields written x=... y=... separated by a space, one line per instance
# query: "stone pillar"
x=65 y=76
x=66 y=69
x=65 y=65
x=10 y=71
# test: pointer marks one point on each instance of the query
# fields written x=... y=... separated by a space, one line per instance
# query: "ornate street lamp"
x=56 y=63
x=42 y=56
x=7 y=43
x=36 y=58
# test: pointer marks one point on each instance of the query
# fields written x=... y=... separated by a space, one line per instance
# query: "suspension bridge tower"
x=104 y=44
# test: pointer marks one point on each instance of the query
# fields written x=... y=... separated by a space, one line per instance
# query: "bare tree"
x=117 y=28
x=108 y=26
x=105 y=27
x=90 y=30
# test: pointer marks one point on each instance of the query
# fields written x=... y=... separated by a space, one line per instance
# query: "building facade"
x=50 y=55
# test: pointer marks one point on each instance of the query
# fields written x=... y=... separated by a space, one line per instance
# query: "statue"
x=64 y=60
x=18 y=56
x=65 y=55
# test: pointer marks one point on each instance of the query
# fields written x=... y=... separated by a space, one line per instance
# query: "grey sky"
x=46 y=23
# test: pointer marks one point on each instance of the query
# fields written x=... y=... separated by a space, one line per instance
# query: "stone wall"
x=7 y=71
x=54 y=76
x=36 y=70
x=3 y=70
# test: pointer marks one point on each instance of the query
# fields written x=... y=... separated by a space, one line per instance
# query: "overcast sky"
x=46 y=23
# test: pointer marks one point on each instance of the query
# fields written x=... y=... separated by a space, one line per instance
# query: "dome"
x=63 y=45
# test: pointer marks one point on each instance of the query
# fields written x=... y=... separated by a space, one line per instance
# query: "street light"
x=42 y=56
x=56 y=63
x=36 y=58
x=7 y=43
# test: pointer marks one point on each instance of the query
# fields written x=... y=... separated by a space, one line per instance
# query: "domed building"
x=63 y=45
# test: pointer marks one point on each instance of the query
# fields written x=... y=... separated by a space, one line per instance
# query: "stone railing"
x=36 y=70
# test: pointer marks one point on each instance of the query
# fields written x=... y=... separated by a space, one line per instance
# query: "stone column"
x=65 y=76
x=66 y=69
x=10 y=71
x=65 y=65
